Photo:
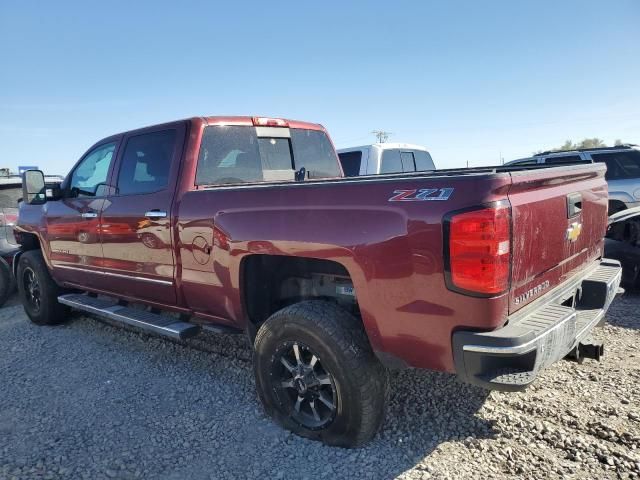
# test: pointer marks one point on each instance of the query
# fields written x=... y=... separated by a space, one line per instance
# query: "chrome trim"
x=118 y=275
x=70 y=267
x=155 y=214
x=165 y=326
x=590 y=326
x=532 y=344
x=145 y=279
x=519 y=349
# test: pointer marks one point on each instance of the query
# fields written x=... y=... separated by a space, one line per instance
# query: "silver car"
x=10 y=194
x=623 y=170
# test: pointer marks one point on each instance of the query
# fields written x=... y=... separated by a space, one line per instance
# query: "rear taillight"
x=479 y=250
x=269 y=122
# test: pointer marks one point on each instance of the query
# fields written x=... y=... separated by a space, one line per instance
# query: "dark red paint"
x=393 y=251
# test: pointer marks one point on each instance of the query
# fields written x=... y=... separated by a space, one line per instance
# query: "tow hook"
x=593 y=350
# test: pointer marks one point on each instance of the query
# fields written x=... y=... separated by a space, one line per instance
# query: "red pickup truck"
x=245 y=224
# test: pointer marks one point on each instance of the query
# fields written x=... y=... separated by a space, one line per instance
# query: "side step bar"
x=153 y=322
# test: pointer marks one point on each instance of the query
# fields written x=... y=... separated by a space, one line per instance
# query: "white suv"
x=623 y=170
x=384 y=158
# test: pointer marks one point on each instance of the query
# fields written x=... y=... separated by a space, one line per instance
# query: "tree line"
x=585 y=143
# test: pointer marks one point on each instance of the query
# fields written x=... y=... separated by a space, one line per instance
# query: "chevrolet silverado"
x=246 y=224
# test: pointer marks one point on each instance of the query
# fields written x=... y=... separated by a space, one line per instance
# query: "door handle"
x=89 y=215
x=155 y=214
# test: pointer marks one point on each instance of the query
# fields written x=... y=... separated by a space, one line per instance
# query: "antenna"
x=381 y=135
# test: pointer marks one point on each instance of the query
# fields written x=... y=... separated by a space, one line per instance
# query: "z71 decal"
x=421 y=195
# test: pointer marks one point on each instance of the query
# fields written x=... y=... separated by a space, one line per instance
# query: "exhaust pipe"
x=593 y=350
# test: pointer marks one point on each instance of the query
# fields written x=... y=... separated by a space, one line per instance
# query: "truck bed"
x=394 y=250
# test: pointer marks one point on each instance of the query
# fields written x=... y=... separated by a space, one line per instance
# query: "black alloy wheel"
x=304 y=385
x=32 y=289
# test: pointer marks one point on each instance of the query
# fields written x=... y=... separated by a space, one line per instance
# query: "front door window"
x=92 y=171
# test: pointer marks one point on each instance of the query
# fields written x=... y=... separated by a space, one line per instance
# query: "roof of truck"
x=246 y=120
x=213 y=120
x=386 y=146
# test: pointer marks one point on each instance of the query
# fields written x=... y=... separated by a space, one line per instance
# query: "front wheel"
x=317 y=376
x=38 y=291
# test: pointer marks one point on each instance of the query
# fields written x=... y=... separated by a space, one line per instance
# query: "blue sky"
x=470 y=80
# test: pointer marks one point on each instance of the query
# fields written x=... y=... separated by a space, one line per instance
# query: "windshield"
x=235 y=154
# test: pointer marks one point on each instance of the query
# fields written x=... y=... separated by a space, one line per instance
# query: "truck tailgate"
x=559 y=219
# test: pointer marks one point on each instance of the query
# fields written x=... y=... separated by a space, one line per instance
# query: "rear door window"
x=351 y=163
x=146 y=163
x=423 y=161
x=408 y=162
x=620 y=165
x=391 y=162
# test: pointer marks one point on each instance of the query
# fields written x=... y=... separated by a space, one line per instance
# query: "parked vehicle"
x=490 y=273
x=385 y=158
x=623 y=244
x=623 y=170
x=10 y=193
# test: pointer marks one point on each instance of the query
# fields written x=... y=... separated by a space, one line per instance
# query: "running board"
x=153 y=322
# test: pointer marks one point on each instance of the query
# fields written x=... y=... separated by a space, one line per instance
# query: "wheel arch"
x=28 y=241
x=269 y=282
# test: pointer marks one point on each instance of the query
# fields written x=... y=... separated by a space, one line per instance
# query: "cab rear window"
x=236 y=154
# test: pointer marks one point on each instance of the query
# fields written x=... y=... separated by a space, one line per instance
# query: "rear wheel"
x=38 y=291
x=317 y=376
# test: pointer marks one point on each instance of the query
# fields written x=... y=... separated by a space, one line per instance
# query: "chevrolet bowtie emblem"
x=574 y=231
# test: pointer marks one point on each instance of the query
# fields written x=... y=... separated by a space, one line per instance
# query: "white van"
x=384 y=158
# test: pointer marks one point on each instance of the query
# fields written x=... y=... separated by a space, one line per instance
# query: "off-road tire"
x=338 y=340
x=50 y=311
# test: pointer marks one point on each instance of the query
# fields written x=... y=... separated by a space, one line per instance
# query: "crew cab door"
x=72 y=222
x=136 y=220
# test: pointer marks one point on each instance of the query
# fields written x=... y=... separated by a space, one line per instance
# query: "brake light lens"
x=480 y=250
x=269 y=122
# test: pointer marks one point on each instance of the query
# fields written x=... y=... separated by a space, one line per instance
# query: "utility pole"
x=381 y=135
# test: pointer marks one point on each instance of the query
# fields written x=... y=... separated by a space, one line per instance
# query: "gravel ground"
x=89 y=400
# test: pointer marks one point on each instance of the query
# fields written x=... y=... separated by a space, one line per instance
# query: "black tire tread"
x=347 y=332
x=52 y=312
